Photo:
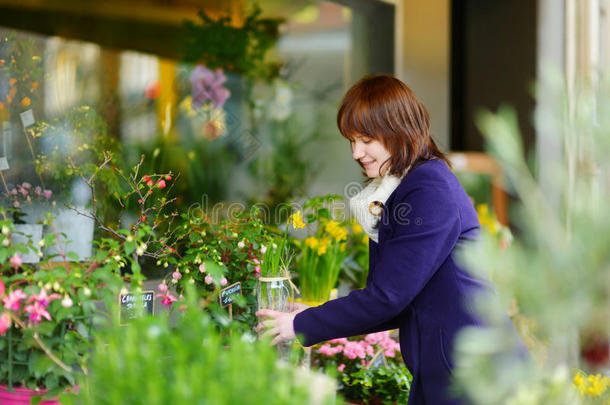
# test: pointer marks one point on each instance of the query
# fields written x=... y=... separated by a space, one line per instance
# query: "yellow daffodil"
x=297 y=220
x=356 y=229
x=311 y=242
x=336 y=231
x=323 y=246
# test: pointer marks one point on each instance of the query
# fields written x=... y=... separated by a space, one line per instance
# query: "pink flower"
x=5 y=323
x=202 y=268
x=341 y=367
x=43 y=298
x=162 y=287
x=161 y=184
x=16 y=204
x=257 y=271
x=47 y=194
x=263 y=249
x=1 y=287
x=177 y=275
x=341 y=341
x=223 y=281
x=326 y=350
x=256 y=261
x=38 y=190
x=208 y=279
x=181 y=308
x=23 y=191
x=389 y=353
x=168 y=299
x=26 y=185
x=13 y=300
x=37 y=312
x=373 y=338
x=16 y=261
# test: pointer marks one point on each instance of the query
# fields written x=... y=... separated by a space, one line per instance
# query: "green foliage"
x=156 y=361
x=220 y=43
x=232 y=244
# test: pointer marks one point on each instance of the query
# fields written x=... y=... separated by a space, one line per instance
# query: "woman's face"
x=371 y=154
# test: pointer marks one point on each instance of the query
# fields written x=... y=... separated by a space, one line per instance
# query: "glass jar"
x=273 y=293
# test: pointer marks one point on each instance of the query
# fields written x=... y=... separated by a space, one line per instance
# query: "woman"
x=417 y=215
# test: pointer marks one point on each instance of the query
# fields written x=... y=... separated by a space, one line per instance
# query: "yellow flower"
x=323 y=246
x=356 y=229
x=482 y=210
x=311 y=242
x=12 y=82
x=579 y=380
x=297 y=220
x=26 y=101
x=365 y=239
x=336 y=231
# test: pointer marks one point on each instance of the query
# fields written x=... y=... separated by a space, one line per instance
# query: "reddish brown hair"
x=383 y=108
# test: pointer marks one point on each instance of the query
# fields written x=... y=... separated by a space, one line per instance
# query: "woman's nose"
x=357 y=152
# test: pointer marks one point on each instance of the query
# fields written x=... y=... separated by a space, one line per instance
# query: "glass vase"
x=273 y=294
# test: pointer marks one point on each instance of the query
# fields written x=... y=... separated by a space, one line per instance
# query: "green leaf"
x=40 y=364
x=130 y=247
x=72 y=256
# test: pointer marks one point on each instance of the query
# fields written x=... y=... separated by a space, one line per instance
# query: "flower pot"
x=25 y=232
x=21 y=396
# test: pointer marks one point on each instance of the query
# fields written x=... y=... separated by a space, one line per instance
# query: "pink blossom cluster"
x=362 y=349
x=35 y=308
x=25 y=190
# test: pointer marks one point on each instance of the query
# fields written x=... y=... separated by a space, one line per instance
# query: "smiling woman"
x=417 y=215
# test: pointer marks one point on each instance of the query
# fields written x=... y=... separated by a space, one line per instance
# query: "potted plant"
x=322 y=253
x=368 y=369
x=47 y=313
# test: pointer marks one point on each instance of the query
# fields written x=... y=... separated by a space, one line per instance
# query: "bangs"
x=355 y=119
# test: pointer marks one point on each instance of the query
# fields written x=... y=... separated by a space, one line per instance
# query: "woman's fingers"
x=267 y=312
x=264 y=325
x=270 y=333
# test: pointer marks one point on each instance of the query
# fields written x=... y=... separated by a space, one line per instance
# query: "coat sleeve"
x=425 y=226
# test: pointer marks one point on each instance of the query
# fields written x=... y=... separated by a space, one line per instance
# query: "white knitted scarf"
x=367 y=205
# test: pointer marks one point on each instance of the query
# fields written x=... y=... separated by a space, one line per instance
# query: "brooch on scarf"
x=376 y=208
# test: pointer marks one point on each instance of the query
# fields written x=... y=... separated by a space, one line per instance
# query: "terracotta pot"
x=21 y=396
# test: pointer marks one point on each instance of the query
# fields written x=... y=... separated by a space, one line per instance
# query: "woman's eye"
x=366 y=141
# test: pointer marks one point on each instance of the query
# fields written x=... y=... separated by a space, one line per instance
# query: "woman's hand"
x=278 y=325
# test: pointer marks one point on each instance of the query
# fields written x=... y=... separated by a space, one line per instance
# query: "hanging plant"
x=220 y=44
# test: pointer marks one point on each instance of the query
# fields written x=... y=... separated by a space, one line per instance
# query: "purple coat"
x=414 y=283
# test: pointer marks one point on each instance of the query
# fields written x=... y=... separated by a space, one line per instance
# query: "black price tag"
x=131 y=305
x=227 y=294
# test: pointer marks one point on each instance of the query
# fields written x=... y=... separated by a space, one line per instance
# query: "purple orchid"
x=207 y=86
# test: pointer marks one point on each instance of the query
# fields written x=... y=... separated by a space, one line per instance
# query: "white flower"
x=192 y=280
x=41 y=242
x=140 y=251
x=117 y=258
x=241 y=244
x=6 y=242
x=263 y=249
x=129 y=238
x=86 y=292
x=56 y=286
x=67 y=302
x=5 y=230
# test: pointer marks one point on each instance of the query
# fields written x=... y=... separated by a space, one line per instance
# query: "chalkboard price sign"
x=133 y=304
x=227 y=294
